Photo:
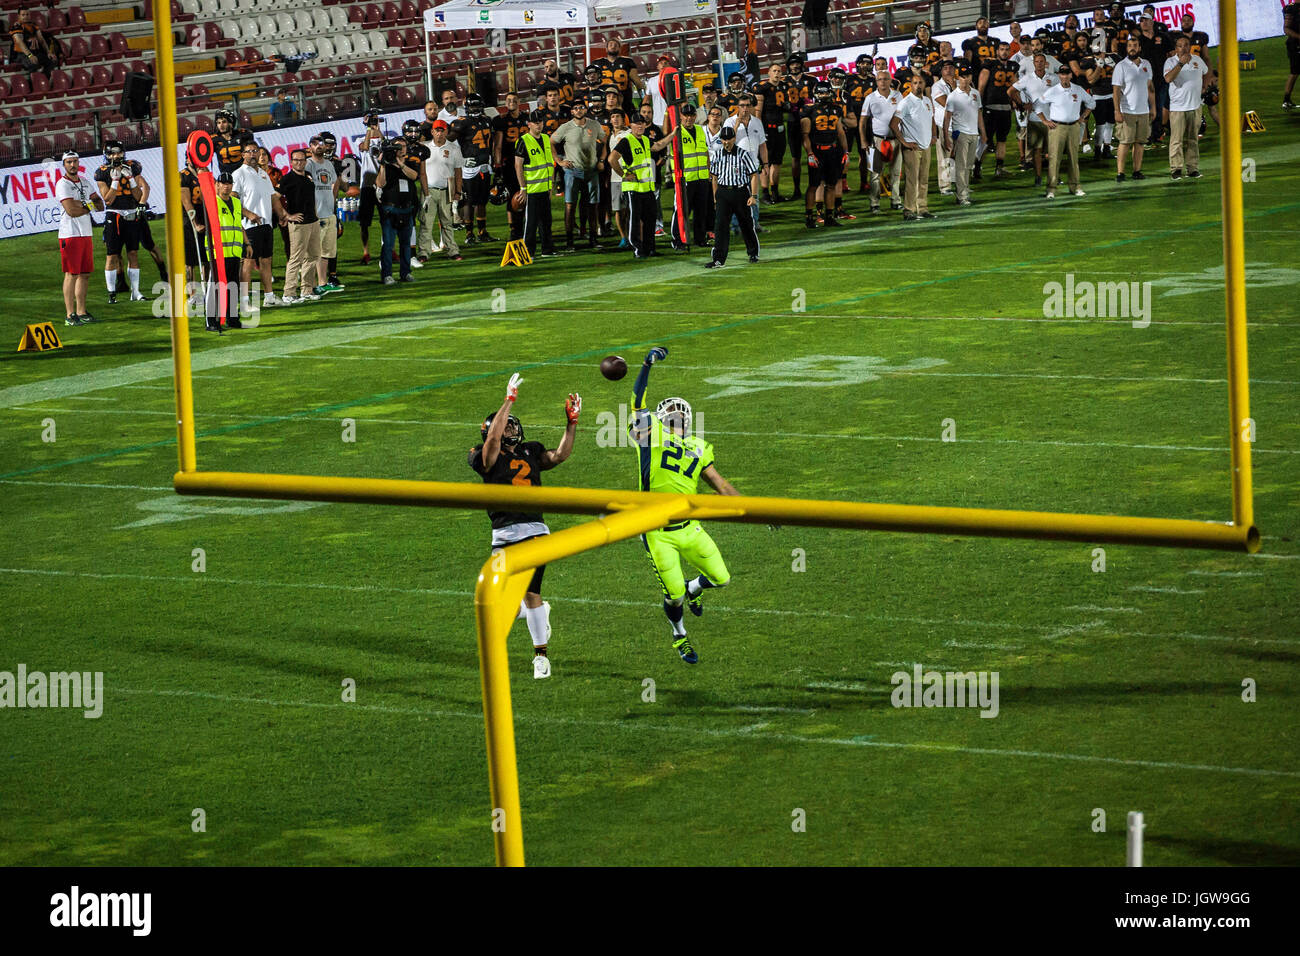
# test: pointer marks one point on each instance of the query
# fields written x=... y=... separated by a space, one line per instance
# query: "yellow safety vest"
x=695 y=154
x=232 y=227
x=639 y=174
x=537 y=168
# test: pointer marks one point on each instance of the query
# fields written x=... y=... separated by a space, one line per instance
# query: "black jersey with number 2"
x=519 y=464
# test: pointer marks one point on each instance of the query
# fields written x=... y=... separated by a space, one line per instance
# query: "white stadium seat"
x=250 y=28
x=284 y=22
x=267 y=27
x=339 y=18
x=320 y=20
x=302 y=23
x=228 y=7
x=231 y=29
x=342 y=47
x=191 y=7
x=360 y=44
x=326 y=49
x=208 y=8
x=287 y=49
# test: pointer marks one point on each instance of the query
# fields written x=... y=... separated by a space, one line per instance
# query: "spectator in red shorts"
x=77 y=195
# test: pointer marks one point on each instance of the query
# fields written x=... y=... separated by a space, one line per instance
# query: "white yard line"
x=939 y=624
x=1154 y=590
x=752 y=732
x=1105 y=610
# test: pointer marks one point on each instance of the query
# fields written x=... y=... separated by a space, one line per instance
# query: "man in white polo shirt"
x=945 y=84
x=1027 y=94
x=1188 y=76
x=253 y=187
x=1135 y=106
x=1063 y=109
x=443 y=171
x=913 y=127
x=963 y=129
x=874 y=131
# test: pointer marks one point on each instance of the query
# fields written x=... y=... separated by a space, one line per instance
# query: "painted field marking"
x=1105 y=610
x=1229 y=574
x=1155 y=590
x=1072 y=629
x=984 y=647
x=548 y=719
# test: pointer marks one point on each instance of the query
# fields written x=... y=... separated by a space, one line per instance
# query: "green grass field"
x=1120 y=690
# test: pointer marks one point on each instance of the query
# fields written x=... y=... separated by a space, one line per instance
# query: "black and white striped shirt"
x=732 y=167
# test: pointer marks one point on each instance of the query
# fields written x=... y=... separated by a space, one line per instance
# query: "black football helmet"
x=474 y=104
x=838 y=78
x=593 y=74
x=113 y=148
x=411 y=129
x=823 y=91
x=506 y=437
x=230 y=117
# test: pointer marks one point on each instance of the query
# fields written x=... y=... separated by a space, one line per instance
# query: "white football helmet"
x=673 y=412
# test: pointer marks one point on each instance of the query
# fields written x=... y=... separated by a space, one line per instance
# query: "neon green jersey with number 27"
x=671 y=463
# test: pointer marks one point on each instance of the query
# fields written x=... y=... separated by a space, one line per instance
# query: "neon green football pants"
x=692 y=543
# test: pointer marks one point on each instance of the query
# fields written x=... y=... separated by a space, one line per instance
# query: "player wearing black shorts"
x=504 y=458
x=474 y=134
x=120 y=186
x=770 y=107
x=822 y=132
x=798 y=94
x=195 y=232
x=857 y=87
x=227 y=144
x=1291 y=26
x=506 y=130
x=996 y=78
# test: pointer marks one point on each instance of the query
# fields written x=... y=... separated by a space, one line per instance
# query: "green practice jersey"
x=669 y=462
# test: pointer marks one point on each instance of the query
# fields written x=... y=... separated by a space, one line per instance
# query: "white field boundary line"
x=803 y=436
x=752 y=732
x=570 y=291
x=949 y=625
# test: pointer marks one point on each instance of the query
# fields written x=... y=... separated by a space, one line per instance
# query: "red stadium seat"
x=139 y=66
x=42 y=146
x=117 y=44
x=4 y=89
x=405 y=96
x=350 y=104
x=119 y=73
x=77 y=50
x=414 y=41
x=98 y=46
x=39 y=84
x=102 y=102
x=356 y=15
x=184 y=126
x=204 y=122
x=391 y=14
x=60 y=82
x=38 y=18
x=58 y=21
x=76 y=19
x=410 y=12
x=372 y=16
x=84 y=142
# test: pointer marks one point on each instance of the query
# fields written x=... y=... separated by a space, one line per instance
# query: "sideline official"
x=735 y=185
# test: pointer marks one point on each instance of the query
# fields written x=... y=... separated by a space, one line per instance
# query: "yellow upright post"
x=166 y=75
x=501 y=585
x=1234 y=266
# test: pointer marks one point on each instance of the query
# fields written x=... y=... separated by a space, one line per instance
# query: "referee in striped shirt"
x=735 y=184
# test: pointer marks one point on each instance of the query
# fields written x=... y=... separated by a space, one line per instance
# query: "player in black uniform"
x=620 y=72
x=504 y=458
x=226 y=143
x=1291 y=27
x=996 y=78
x=798 y=94
x=120 y=186
x=924 y=55
x=769 y=98
x=564 y=82
x=1104 y=31
x=506 y=130
x=980 y=48
x=474 y=135
x=823 y=138
x=1097 y=70
x=591 y=81
x=857 y=86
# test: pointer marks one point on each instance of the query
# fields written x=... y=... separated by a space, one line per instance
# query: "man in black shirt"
x=504 y=458
x=798 y=94
x=981 y=47
x=397 y=183
x=296 y=205
x=1155 y=49
x=620 y=71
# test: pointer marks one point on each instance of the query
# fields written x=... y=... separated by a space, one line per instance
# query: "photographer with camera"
x=368 y=162
x=396 y=183
x=121 y=186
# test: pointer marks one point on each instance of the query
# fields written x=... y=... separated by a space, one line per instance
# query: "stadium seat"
x=57 y=20
x=361 y=44
x=410 y=12
x=60 y=82
x=102 y=102
x=39 y=84
x=250 y=28
x=339 y=18
x=325 y=47
x=208 y=8
x=230 y=29
x=191 y=7
x=229 y=7
x=117 y=44
x=321 y=21
x=357 y=15
x=99 y=46
x=266 y=26
x=204 y=122
x=391 y=14
x=342 y=46
x=371 y=21
x=78 y=49
x=42 y=147
x=76 y=19
x=84 y=142
x=117 y=75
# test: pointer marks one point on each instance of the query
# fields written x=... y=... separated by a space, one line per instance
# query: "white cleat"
x=137 y=297
x=541 y=667
x=1077 y=192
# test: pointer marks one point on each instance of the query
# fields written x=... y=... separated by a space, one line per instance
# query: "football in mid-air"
x=613 y=367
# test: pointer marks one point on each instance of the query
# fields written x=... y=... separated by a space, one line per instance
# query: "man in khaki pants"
x=963 y=130
x=1064 y=109
x=1188 y=76
x=295 y=203
x=913 y=127
x=442 y=169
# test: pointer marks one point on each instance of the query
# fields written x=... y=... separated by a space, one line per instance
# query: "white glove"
x=512 y=390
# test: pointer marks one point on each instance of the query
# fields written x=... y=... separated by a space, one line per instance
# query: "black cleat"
x=73 y=320
x=687 y=652
x=112 y=298
x=1138 y=174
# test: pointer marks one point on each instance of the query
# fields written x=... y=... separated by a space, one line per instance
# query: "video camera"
x=372 y=118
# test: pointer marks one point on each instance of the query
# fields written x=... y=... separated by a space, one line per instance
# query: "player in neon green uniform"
x=673 y=460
